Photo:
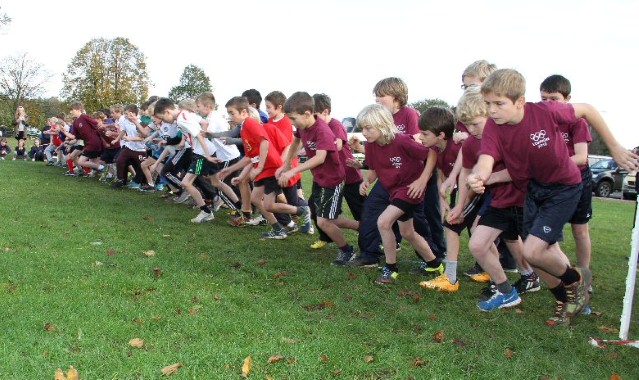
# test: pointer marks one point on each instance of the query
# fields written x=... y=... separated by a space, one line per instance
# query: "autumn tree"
x=193 y=82
x=424 y=104
x=22 y=78
x=106 y=72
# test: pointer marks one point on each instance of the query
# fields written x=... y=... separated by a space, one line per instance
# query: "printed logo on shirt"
x=566 y=137
x=539 y=139
x=311 y=145
x=396 y=162
x=248 y=146
x=401 y=128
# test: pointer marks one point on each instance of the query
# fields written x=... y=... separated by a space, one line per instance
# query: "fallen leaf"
x=368 y=358
x=178 y=310
x=136 y=343
x=236 y=265
x=609 y=330
x=72 y=373
x=613 y=355
x=459 y=343
x=432 y=316
x=228 y=366
x=59 y=375
x=149 y=253
x=275 y=358
x=418 y=362
x=203 y=256
x=50 y=326
x=216 y=298
x=261 y=262
x=195 y=309
x=348 y=298
x=438 y=336
x=292 y=360
x=149 y=218
x=289 y=340
x=195 y=299
x=519 y=311
x=171 y=369
x=269 y=377
x=319 y=306
x=246 y=366
x=615 y=376
x=416 y=298
x=351 y=276
x=157 y=272
x=508 y=352
x=281 y=274
x=324 y=358
x=337 y=372
x=596 y=314
x=110 y=252
x=156 y=317
x=138 y=321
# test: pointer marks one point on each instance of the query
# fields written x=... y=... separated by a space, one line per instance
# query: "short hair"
x=480 y=69
x=322 y=102
x=59 y=122
x=99 y=115
x=239 y=103
x=132 y=108
x=437 y=120
x=206 y=98
x=187 y=104
x=117 y=108
x=471 y=105
x=505 y=82
x=380 y=118
x=299 y=103
x=254 y=114
x=394 y=87
x=162 y=105
x=556 y=83
x=276 y=98
x=253 y=96
x=151 y=108
x=76 y=105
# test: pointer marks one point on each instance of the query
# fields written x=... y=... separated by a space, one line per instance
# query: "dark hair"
x=322 y=102
x=163 y=104
x=132 y=108
x=299 y=103
x=437 y=120
x=276 y=98
x=239 y=103
x=253 y=96
x=556 y=83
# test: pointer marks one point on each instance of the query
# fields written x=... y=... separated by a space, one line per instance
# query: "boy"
x=324 y=163
x=133 y=150
x=191 y=125
x=255 y=100
x=265 y=161
x=527 y=138
x=86 y=128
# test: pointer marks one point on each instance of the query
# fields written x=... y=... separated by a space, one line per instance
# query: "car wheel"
x=603 y=189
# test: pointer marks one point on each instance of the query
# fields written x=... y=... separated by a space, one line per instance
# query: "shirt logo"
x=311 y=145
x=396 y=162
x=566 y=137
x=401 y=128
x=539 y=139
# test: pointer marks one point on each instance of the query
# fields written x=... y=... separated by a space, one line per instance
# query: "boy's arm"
x=500 y=176
x=481 y=172
x=241 y=164
x=264 y=146
x=205 y=148
x=292 y=151
x=417 y=188
x=318 y=159
x=581 y=154
x=463 y=197
x=449 y=184
x=118 y=137
x=625 y=158
x=370 y=178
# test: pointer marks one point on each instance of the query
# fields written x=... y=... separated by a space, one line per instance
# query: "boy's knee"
x=477 y=248
x=384 y=224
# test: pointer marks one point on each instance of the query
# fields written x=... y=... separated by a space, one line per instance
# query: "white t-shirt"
x=217 y=123
x=189 y=124
x=132 y=131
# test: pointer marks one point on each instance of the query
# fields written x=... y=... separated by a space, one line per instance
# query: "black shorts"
x=200 y=165
x=75 y=147
x=109 y=155
x=327 y=200
x=215 y=168
x=509 y=220
x=270 y=185
x=471 y=211
x=91 y=154
x=407 y=207
x=583 y=213
x=548 y=207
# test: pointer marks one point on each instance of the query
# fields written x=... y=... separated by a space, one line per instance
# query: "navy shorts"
x=270 y=185
x=327 y=200
x=548 y=207
x=471 y=210
x=509 y=220
x=407 y=207
x=583 y=213
x=109 y=155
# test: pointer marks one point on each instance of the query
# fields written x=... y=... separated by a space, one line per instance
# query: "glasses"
x=466 y=86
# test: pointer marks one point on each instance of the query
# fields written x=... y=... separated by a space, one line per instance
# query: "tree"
x=106 y=72
x=423 y=105
x=22 y=79
x=597 y=146
x=5 y=20
x=193 y=82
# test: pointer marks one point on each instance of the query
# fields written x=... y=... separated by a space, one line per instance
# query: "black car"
x=607 y=177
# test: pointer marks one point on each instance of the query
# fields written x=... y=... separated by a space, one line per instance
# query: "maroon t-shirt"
x=319 y=137
x=460 y=127
x=447 y=157
x=406 y=120
x=86 y=128
x=574 y=134
x=352 y=175
x=534 y=148
x=397 y=165
x=470 y=152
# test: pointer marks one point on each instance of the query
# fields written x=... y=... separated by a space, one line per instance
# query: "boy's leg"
x=328 y=202
x=433 y=217
x=187 y=184
x=369 y=238
x=583 y=246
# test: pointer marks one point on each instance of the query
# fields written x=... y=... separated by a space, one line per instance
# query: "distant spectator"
x=37 y=151
x=3 y=130
x=21 y=151
x=21 y=123
x=4 y=148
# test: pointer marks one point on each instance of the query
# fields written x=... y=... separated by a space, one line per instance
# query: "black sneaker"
x=118 y=183
x=344 y=256
x=487 y=292
x=366 y=262
x=527 y=284
x=147 y=187
x=476 y=269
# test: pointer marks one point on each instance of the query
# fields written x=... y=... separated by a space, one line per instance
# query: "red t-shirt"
x=286 y=127
x=574 y=134
x=352 y=175
x=406 y=120
x=252 y=134
x=534 y=148
x=397 y=165
x=447 y=157
x=319 y=137
x=86 y=128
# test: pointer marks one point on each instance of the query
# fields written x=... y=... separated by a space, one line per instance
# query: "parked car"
x=352 y=131
x=607 y=177
x=629 y=190
x=594 y=158
x=33 y=132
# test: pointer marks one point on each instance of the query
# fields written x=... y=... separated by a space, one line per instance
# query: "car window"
x=604 y=164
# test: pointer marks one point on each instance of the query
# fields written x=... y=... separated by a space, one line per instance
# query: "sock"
x=392 y=267
x=504 y=287
x=346 y=248
x=86 y=170
x=206 y=209
x=277 y=226
x=526 y=272
x=290 y=224
x=247 y=214
x=101 y=167
x=434 y=263
x=560 y=293
x=70 y=165
x=451 y=271
x=238 y=205
x=570 y=276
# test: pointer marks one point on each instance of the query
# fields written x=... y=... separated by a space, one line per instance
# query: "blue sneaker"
x=133 y=185
x=159 y=187
x=500 y=301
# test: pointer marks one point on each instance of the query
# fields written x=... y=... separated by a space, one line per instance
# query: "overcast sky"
x=342 y=48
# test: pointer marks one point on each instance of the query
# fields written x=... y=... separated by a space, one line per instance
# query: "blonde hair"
x=380 y=118
x=394 y=87
x=505 y=82
x=254 y=114
x=471 y=105
x=479 y=69
x=187 y=104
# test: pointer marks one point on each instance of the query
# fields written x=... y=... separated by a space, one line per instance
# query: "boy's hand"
x=446 y=187
x=235 y=181
x=355 y=144
x=455 y=215
x=223 y=173
x=625 y=158
x=254 y=173
x=353 y=163
x=212 y=159
x=283 y=178
x=416 y=189
x=363 y=188
x=459 y=137
x=476 y=183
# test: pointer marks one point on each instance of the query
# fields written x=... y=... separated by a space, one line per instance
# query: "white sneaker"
x=203 y=217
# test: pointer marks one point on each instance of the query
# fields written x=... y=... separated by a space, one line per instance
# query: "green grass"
x=223 y=295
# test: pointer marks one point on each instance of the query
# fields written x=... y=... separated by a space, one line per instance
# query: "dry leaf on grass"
x=136 y=343
x=59 y=375
x=290 y=340
x=281 y=274
x=149 y=218
x=432 y=316
x=50 y=326
x=368 y=358
x=459 y=343
x=324 y=358
x=418 y=362
x=292 y=360
x=609 y=330
x=438 y=336
x=351 y=276
x=615 y=376
x=508 y=353
x=195 y=309
x=246 y=366
x=261 y=262
x=72 y=373
x=275 y=358
x=157 y=272
x=171 y=369
x=110 y=252
x=149 y=253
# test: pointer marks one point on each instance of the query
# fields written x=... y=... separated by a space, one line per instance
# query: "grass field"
x=76 y=286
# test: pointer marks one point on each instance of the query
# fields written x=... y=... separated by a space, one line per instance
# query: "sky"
x=342 y=48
